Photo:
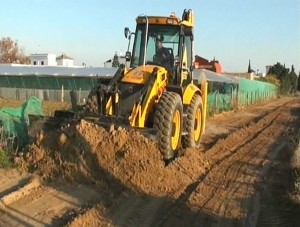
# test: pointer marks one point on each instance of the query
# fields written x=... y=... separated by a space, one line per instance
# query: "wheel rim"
x=197 y=125
x=175 y=130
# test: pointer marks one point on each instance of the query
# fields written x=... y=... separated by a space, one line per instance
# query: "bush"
x=5 y=159
x=272 y=79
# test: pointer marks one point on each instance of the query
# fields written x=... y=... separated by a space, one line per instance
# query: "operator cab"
x=175 y=36
x=145 y=48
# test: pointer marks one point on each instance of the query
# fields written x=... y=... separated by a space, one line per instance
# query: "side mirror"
x=127 y=33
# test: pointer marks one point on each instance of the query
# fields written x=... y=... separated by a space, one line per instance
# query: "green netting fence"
x=225 y=96
x=15 y=121
x=46 y=87
x=221 y=97
x=48 y=82
x=253 y=91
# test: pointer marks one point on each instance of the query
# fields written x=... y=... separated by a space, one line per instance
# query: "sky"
x=92 y=31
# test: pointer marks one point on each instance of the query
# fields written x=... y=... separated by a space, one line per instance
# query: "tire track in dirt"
x=143 y=208
x=11 y=180
x=275 y=204
x=259 y=148
x=229 y=122
x=216 y=159
x=45 y=204
x=233 y=169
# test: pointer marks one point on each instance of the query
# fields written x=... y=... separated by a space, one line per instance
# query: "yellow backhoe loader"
x=155 y=93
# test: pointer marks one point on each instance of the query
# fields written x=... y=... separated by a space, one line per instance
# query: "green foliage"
x=279 y=70
x=298 y=86
x=287 y=78
x=293 y=80
x=272 y=79
x=115 y=62
x=249 y=67
x=5 y=159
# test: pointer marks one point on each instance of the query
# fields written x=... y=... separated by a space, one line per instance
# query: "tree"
x=293 y=80
x=282 y=73
x=249 y=68
x=299 y=82
x=279 y=70
x=115 y=62
x=11 y=53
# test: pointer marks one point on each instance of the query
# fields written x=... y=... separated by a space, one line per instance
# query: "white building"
x=64 y=60
x=51 y=60
x=43 y=59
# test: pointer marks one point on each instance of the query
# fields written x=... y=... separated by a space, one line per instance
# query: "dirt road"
x=83 y=175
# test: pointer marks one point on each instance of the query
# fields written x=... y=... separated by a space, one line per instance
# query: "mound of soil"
x=92 y=217
x=87 y=153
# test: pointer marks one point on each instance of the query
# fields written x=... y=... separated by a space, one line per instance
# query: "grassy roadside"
x=6 y=160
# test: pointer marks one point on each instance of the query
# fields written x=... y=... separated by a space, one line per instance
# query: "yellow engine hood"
x=140 y=75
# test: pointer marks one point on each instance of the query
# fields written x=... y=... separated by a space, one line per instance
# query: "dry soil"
x=84 y=175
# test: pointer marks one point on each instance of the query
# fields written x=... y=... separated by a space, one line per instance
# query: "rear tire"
x=193 y=125
x=168 y=121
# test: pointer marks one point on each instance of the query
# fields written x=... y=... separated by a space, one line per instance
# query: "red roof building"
x=202 y=63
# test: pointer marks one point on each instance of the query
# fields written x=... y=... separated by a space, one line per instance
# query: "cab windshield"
x=168 y=34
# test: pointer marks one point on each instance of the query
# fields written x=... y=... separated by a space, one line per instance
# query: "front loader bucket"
x=109 y=121
x=38 y=123
x=63 y=118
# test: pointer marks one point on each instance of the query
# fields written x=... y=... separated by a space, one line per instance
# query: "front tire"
x=168 y=121
x=193 y=125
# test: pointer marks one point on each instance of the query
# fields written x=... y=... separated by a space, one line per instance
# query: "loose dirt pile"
x=87 y=153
